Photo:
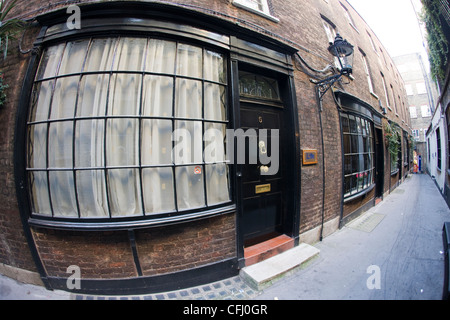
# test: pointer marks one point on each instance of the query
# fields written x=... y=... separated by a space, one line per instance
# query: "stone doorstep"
x=264 y=273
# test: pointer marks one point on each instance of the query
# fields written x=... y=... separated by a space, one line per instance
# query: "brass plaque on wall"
x=262 y=188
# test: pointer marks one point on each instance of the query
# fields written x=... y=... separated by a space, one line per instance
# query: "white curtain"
x=133 y=145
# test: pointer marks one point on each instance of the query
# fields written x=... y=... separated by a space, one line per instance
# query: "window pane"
x=89 y=148
x=190 y=189
x=63 y=194
x=41 y=98
x=347 y=165
x=64 y=98
x=214 y=138
x=124 y=97
x=93 y=95
x=161 y=56
x=129 y=55
x=188 y=99
x=37 y=146
x=124 y=192
x=122 y=142
x=189 y=61
x=345 y=124
x=347 y=145
x=74 y=56
x=258 y=86
x=188 y=142
x=214 y=69
x=50 y=62
x=40 y=200
x=156 y=145
x=347 y=186
x=91 y=190
x=217 y=183
x=60 y=144
x=158 y=190
x=157 y=96
x=352 y=122
x=215 y=102
x=100 y=55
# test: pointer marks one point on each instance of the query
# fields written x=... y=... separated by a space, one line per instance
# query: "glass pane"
x=40 y=200
x=124 y=192
x=188 y=142
x=122 y=139
x=161 y=56
x=348 y=165
x=50 y=62
x=93 y=95
x=355 y=144
x=91 y=189
x=214 y=138
x=214 y=68
x=347 y=146
x=74 y=56
x=352 y=122
x=100 y=55
x=189 y=61
x=215 y=102
x=158 y=190
x=217 y=187
x=156 y=139
x=157 y=96
x=41 y=98
x=89 y=143
x=354 y=184
x=124 y=97
x=60 y=144
x=129 y=55
x=190 y=189
x=258 y=86
x=345 y=124
x=188 y=99
x=64 y=98
x=347 y=186
x=355 y=163
x=63 y=194
x=37 y=146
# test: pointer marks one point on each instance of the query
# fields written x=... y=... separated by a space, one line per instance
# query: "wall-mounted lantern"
x=344 y=52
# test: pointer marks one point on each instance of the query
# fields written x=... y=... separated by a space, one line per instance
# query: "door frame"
x=291 y=202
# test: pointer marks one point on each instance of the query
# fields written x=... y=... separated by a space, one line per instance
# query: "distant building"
x=422 y=97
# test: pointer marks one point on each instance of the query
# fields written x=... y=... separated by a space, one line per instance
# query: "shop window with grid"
x=358 y=154
x=117 y=128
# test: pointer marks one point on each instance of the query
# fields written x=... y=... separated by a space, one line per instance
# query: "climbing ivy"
x=437 y=42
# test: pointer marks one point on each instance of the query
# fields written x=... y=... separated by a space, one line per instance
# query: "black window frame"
x=163 y=21
x=357 y=138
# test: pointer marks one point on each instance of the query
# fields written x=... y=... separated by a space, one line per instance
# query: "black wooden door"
x=262 y=181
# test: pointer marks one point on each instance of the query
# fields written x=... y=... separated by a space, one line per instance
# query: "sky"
x=394 y=22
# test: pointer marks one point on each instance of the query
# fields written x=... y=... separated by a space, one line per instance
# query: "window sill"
x=373 y=94
x=121 y=224
x=393 y=173
x=359 y=194
x=261 y=13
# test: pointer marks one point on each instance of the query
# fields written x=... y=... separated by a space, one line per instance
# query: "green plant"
x=392 y=137
x=9 y=28
x=3 y=86
x=437 y=42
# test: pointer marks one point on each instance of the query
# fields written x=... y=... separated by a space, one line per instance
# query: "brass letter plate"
x=262 y=188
